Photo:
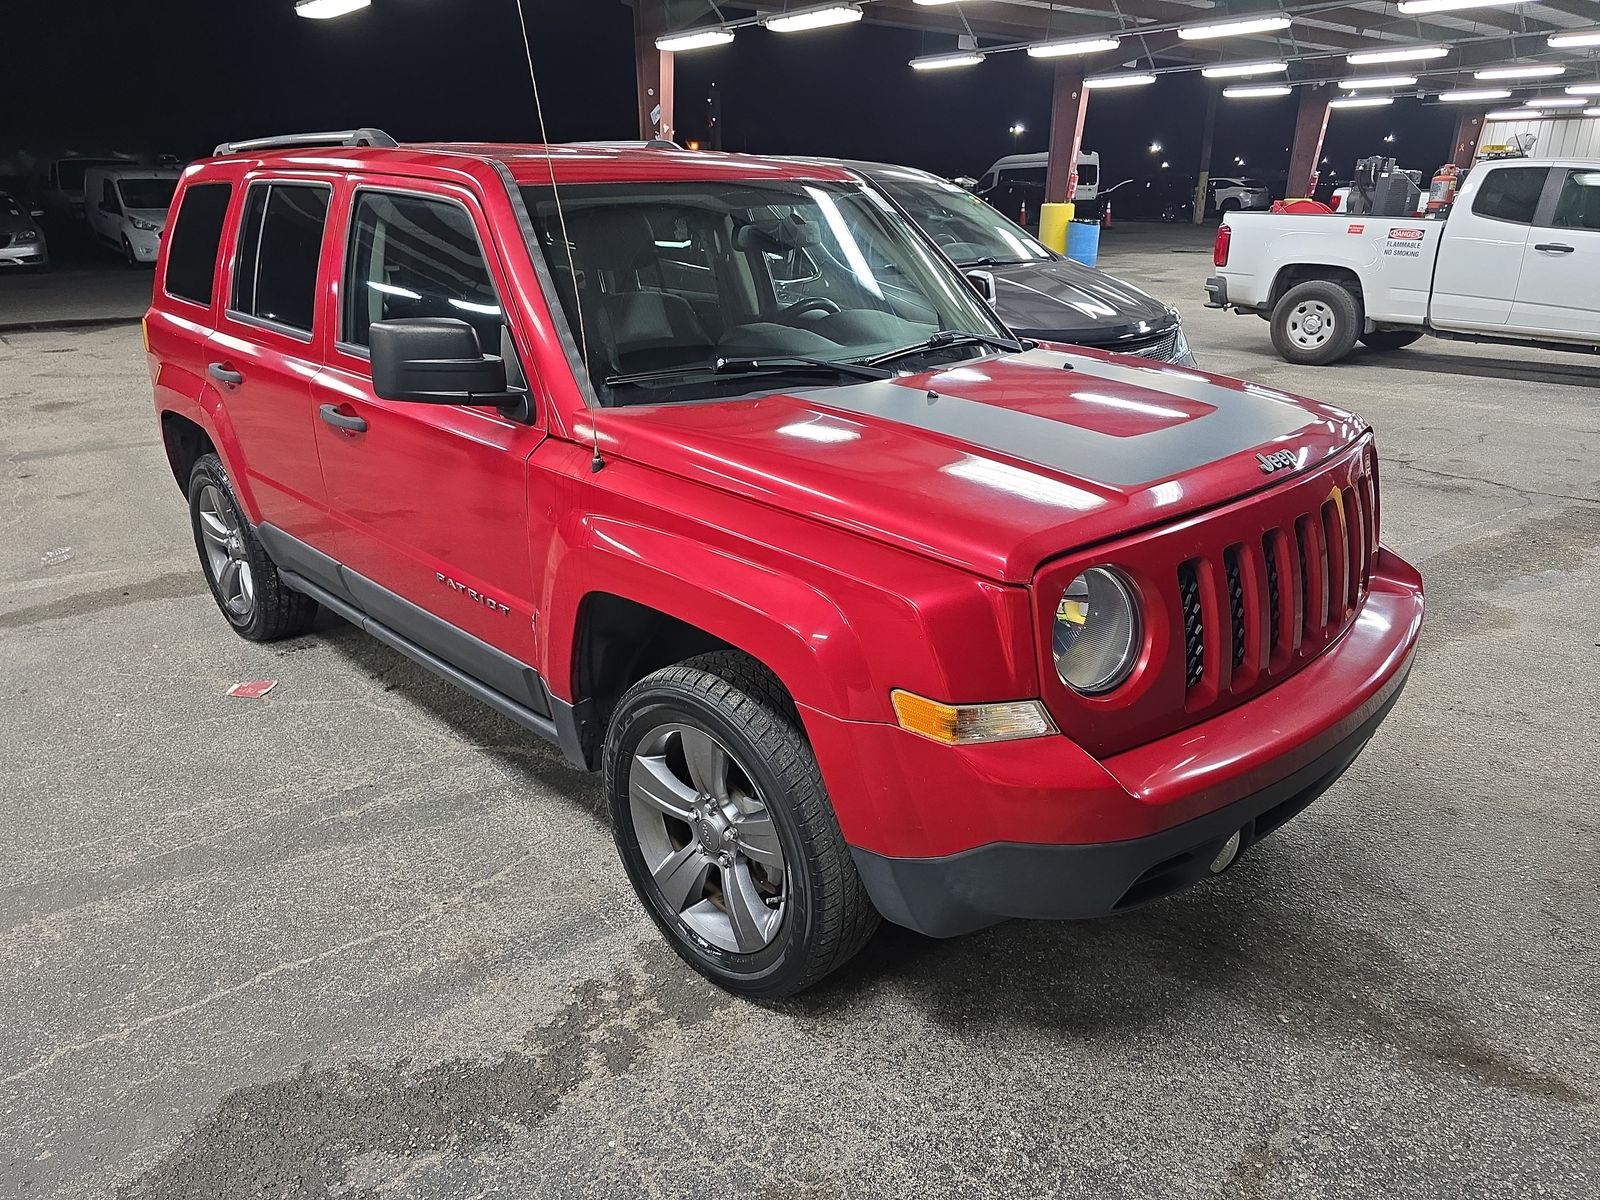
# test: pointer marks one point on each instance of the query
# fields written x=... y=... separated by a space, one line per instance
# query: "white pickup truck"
x=1517 y=261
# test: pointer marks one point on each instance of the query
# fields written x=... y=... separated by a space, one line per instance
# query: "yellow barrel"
x=1053 y=221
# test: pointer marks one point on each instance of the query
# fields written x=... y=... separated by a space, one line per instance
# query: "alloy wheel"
x=707 y=838
x=223 y=542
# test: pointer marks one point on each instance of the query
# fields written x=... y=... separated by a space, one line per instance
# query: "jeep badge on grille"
x=1277 y=460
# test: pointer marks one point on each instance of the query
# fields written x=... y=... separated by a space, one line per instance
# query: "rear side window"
x=192 y=244
x=1511 y=194
x=415 y=256
x=280 y=243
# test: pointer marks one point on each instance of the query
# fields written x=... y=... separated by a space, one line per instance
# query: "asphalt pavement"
x=363 y=937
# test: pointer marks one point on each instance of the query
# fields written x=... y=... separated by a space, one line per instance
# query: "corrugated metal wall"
x=1566 y=137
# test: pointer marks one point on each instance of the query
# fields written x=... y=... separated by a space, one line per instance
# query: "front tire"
x=1390 y=339
x=726 y=831
x=1316 y=323
x=128 y=254
x=244 y=582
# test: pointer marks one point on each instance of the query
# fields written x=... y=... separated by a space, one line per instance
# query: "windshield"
x=672 y=277
x=147 y=193
x=965 y=228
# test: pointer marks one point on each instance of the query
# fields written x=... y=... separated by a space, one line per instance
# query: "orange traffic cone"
x=1105 y=216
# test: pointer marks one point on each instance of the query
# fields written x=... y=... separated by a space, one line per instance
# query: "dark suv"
x=714 y=472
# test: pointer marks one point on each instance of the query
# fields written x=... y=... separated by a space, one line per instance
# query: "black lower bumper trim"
x=1216 y=292
x=944 y=897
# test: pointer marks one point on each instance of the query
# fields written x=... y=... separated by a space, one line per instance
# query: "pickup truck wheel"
x=244 y=582
x=725 y=828
x=1316 y=323
x=1390 y=339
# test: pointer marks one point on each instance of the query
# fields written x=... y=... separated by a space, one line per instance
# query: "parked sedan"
x=1037 y=292
x=21 y=240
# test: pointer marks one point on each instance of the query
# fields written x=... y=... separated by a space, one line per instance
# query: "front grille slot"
x=1194 y=641
x=1230 y=561
x=1277 y=637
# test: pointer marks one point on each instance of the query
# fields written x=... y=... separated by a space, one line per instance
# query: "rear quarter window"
x=1511 y=194
x=192 y=248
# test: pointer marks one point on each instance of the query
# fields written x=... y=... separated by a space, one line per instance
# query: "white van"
x=126 y=208
x=1015 y=185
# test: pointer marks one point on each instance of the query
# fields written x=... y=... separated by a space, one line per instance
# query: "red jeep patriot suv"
x=711 y=470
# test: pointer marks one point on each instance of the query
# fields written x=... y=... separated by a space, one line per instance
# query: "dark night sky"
x=181 y=75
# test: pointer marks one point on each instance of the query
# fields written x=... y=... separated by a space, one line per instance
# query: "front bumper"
x=146 y=244
x=951 y=839
x=24 y=254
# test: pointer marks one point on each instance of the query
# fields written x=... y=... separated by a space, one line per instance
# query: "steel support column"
x=1067 y=109
x=1309 y=128
x=653 y=69
x=1207 y=136
x=1469 y=128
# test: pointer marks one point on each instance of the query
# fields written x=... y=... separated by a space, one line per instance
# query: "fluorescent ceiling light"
x=1073 y=46
x=1239 y=28
x=1516 y=114
x=321 y=10
x=1467 y=95
x=1413 y=7
x=1360 y=101
x=1591 y=112
x=1368 y=58
x=1555 y=102
x=812 y=18
x=1243 y=70
x=944 y=62
x=1580 y=37
x=695 y=39
x=1118 y=81
x=935 y=3
x=1378 y=81
x=1256 y=91
x=1522 y=72
x=1584 y=89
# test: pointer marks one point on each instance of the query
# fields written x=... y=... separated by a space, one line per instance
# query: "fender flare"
x=208 y=413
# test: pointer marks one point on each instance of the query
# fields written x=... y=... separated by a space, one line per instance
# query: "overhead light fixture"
x=1239 y=28
x=1516 y=114
x=1526 y=71
x=1256 y=91
x=946 y=62
x=1579 y=37
x=1360 y=101
x=1118 y=81
x=1555 y=102
x=1357 y=82
x=1414 y=7
x=1591 y=112
x=694 y=39
x=1243 y=70
x=1468 y=95
x=1060 y=49
x=812 y=18
x=1583 y=89
x=322 y=10
x=1370 y=58
x=935 y=3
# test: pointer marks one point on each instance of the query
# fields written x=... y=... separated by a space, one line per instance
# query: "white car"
x=1516 y=262
x=1230 y=193
x=1014 y=185
x=127 y=207
x=21 y=239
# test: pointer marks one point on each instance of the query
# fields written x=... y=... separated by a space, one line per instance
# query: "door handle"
x=1555 y=247
x=224 y=376
x=331 y=414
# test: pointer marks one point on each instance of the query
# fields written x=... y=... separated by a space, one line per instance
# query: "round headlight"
x=1096 y=631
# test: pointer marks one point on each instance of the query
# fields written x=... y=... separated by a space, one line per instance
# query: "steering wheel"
x=810 y=304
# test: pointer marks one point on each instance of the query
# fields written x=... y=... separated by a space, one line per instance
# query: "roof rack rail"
x=342 y=137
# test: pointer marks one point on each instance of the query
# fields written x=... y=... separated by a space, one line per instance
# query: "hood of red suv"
x=996 y=464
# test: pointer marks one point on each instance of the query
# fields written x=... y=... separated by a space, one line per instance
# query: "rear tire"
x=704 y=761
x=1316 y=323
x=244 y=582
x=1390 y=339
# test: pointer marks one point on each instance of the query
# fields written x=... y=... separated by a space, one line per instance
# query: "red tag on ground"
x=253 y=690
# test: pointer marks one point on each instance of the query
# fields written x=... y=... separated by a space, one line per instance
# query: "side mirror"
x=983 y=283
x=435 y=360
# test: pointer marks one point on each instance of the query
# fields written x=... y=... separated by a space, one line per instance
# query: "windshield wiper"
x=946 y=338
x=988 y=260
x=778 y=365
